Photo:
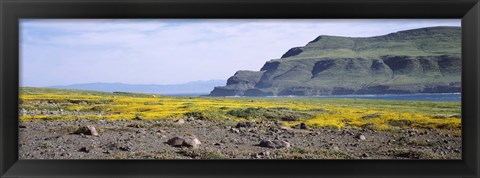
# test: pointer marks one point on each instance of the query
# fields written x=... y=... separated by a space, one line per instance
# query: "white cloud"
x=173 y=51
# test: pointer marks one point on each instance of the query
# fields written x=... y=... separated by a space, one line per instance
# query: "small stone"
x=175 y=142
x=274 y=144
x=303 y=126
x=191 y=141
x=124 y=148
x=22 y=126
x=180 y=121
x=112 y=146
x=161 y=131
x=361 y=137
x=265 y=153
x=244 y=124
x=234 y=130
x=87 y=130
x=85 y=149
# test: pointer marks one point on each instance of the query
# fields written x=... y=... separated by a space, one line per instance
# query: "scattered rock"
x=274 y=144
x=175 y=142
x=285 y=128
x=87 y=130
x=124 y=148
x=190 y=119
x=360 y=137
x=161 y=131
x=112 y=146
x=85 y=149
x=191 y=141
x=265 y=153
x=180 y=121
x=141 y=132
x=336 y=148
x=244 y=124
x=234 y=130
x=303 y=126
x=264 y=140
x=136 y=125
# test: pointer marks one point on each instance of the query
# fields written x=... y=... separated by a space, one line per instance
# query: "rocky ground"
x=203 y=139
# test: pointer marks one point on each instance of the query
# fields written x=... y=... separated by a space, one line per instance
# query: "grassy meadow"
x=38 y=104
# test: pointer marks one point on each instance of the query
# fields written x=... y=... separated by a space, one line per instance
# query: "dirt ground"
x=146 y=139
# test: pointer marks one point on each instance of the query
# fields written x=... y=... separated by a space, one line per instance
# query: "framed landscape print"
x=119 y=88
x=162 y=89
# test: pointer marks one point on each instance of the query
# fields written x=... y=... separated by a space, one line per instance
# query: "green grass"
x=419 y=42
x=45 y=104
x=37 y=90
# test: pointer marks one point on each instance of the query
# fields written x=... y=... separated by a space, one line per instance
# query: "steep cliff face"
x=424 y=60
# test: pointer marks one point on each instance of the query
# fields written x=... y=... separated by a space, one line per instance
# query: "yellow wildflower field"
x=56 y=104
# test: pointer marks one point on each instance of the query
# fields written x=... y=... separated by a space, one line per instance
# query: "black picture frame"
x=13 y=10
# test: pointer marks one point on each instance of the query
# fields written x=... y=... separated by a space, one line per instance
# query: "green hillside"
x=426 y=60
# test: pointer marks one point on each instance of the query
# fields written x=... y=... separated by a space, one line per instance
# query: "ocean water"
x=450 y=97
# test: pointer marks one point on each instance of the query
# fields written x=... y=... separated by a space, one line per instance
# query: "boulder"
x=180 y=122
x=303 y=126
x=360 y=137
x=234 y=130
x=87 y=130
x=175 y=142
x=191 y=141
x=245 y=124
x=274 y=144
x=86 y=149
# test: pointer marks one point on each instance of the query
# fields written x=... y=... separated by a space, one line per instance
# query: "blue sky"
x=168 y=51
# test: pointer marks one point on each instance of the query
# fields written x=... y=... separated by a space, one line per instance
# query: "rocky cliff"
x=426 y=60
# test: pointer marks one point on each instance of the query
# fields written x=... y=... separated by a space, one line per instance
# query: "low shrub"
x=284 y=114
x=205 y=115
x=400 y=123
x=371 y=116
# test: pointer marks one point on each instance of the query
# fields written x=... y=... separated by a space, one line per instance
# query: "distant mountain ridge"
x=195 y=87
x=424 y=60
